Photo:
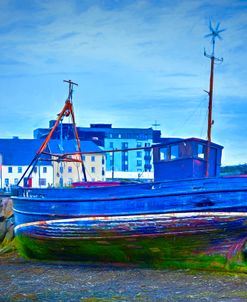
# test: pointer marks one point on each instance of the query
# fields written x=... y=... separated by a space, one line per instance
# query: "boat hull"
x=169 y=197
x=201 y=240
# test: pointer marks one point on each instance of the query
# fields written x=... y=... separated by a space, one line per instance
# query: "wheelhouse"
x=186 y=158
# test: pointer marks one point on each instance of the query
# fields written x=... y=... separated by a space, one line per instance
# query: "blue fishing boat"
x=189 y=217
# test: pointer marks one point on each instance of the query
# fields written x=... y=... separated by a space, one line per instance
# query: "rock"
x=3 y=228
x=1 y=207
x=6 y=220
x=10 y=233
x=7 y=207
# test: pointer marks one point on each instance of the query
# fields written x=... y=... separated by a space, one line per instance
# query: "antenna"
x=214 y=33
x=71 y=84
x=155 y=125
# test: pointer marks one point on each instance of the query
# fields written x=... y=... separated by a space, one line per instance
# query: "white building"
x=15 y=156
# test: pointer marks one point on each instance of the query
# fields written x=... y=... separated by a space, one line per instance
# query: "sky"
x=136 y=62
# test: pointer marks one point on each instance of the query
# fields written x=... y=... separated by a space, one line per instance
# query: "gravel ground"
x=22 y=280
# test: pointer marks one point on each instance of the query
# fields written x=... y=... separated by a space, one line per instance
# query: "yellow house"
x=64 y=173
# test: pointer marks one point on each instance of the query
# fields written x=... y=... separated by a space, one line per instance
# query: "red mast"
x=214 y=33
x=66 y=111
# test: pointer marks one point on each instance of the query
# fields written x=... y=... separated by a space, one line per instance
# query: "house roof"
x=70 y=146
x=19 y=152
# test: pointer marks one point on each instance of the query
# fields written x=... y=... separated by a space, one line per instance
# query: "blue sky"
x=135 y=62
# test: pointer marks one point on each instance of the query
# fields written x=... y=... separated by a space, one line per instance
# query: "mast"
x=66 y=111
x=69 y=100
x=214 y=33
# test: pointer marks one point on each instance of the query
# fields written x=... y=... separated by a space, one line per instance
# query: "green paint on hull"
x=197 y=251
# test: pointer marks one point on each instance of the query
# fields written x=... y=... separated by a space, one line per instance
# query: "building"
x=15 y=156
x=64 y=173
x=132 y=164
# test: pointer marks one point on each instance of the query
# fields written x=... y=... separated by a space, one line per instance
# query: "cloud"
x=133 y=57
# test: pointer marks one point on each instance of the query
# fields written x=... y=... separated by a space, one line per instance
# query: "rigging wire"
x=192 y=114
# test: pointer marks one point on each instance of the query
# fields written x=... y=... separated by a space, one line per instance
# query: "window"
x=42 y=182
x=83 y=158
x=6 y=181
x=125 y=168
x=139 y=154
x=103 y=160
x=16 y=181
x=201 y=151
x=19 y=169
x=119 y=135
x=174 y=152
x=138 y=145
x=70 y=180
x=111 y=145
x=139 y=163
x=164 y=153
x=70 y=169
x=35 y=169
x=93 y=169
x=124 y=145
x=44 y=169
x=10 y=169
x=92 y=158
x=103 y=172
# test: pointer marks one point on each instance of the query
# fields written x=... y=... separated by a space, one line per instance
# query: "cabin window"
x=93 y=169
x=6 y=181
x=10 y=169
x=103 y=172
x=92 y=158
x=185 y=150
x=111 y=146
x=44 y=169
x=16 y=181
x=201 y=151
x=35 y=169
x=69 y=169
x=174 y=152
x=103 y=161
x=19 y=169
x=139 y=145
x=164 y=154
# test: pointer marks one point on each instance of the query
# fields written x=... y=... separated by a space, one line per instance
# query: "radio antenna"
x=214 y=33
